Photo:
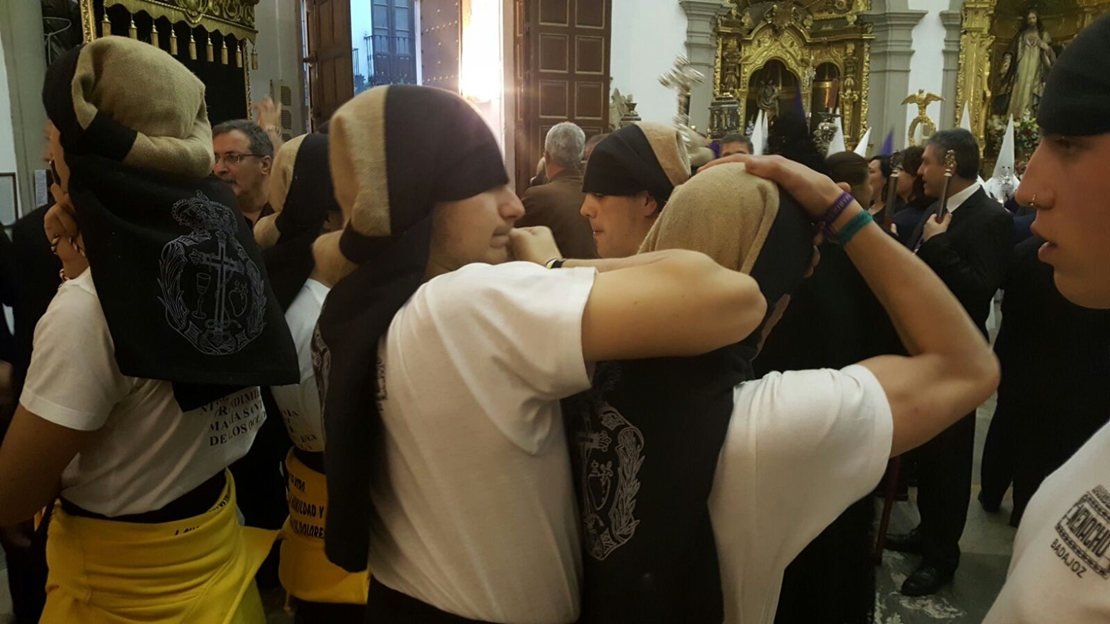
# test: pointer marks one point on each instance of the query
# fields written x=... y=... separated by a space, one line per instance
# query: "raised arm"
x=951 y=370
x=668 y=303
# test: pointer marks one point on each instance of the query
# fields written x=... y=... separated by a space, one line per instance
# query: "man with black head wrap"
x=630 y=176
x=1061 y=566
x=441 y=365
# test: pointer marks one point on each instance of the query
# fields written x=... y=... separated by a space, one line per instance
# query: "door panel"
x=562 y=60
x=329 y=56
x=440 y=36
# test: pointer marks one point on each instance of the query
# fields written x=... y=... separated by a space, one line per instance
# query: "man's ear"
x=267 y=163
x=649 y=203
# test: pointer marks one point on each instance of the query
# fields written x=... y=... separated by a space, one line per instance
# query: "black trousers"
x=388 y=605
x=998 y=465
x=944 y=492
x=25 y=551
x=328 y=613
x=1012 y=455
x=833 y=580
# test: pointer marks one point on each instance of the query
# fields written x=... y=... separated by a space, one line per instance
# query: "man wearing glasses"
x=244 y=154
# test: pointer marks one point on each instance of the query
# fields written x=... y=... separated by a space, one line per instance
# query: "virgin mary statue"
x=1024 y=69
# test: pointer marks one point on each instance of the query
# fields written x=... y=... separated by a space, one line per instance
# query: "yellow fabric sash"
x=186 y=572
x=304 y=570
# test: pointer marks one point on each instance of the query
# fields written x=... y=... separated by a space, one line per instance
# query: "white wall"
x=280 y=56
x=8 y=161
x=647 y=36
x=927 y=63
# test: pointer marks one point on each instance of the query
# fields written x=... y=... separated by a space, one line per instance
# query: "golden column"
x=973 y=82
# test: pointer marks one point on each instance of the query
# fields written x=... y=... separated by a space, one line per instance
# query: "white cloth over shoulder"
x=1061 y=566
x=478 y=518
x=801 y=448
x=146 y=452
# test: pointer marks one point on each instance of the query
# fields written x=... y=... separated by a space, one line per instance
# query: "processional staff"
x=892 y=191
x=949 y=171
x=682 y=78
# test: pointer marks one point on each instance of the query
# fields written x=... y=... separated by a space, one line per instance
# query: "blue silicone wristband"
x=853 y=227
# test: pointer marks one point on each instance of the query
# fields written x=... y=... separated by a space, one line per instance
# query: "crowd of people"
x=388 y=388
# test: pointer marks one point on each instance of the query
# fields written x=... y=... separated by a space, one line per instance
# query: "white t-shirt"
x=146 y=452
x=479 y=516
x=1061 y=566
x=300 y=403
x=801 y=448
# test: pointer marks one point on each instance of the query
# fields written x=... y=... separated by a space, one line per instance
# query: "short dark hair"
x=260 y=141
x=736 y=137
x=966 y=147
x=848 y=167
x=884 y=164
x=911 y=162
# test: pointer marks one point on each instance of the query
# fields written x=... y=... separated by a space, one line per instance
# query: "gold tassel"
x=210 y=57
x=154 y=35
x=106 y=25
x=173 y=40
x=223 y=51
x=254 y=57
x=192 y=45
x=239 y=54
x=133 y=32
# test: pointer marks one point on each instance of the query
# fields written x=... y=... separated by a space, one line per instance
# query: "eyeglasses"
x=232 y=158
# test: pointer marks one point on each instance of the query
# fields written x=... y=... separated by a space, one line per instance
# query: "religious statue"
x=922 y=100
x=619 y=106
x=1024 y=69
x=809 y=74
x=768 y=101
x=730 y=69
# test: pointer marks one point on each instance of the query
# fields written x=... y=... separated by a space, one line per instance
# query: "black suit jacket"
x=557 y=205
x=971 y=258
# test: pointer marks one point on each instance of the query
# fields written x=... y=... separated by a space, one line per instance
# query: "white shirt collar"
x=958 y=199
x=318 y=290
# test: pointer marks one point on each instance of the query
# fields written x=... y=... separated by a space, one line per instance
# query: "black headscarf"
x=641 y=157
x=302 y=195
x=645 y=439
x=178 y=275
x=387 y=184
x=1077 y=95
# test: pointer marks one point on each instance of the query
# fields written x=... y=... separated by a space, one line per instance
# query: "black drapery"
x=225 y=85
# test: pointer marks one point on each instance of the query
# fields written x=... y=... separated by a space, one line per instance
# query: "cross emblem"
x=222 y=264
x=682 y=79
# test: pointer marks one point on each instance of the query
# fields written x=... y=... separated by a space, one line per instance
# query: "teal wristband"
x=853 y=227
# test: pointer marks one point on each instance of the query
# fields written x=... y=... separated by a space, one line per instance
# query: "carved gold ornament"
x=802 y=36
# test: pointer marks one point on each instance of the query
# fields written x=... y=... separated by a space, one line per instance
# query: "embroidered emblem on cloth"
x=609 y=450
x=213 y=292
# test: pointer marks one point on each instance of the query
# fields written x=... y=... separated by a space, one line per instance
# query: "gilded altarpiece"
x=213 y=38
x=991 y=33
x=823 y=45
